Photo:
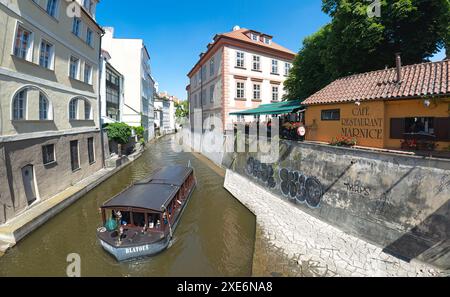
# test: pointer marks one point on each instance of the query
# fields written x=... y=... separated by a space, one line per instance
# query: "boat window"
x=153 y=220
x=139 y=219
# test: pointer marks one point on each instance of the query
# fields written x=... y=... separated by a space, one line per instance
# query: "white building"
x=131 y=58
x=49 y=94
x=240 y=70
x=165 y=109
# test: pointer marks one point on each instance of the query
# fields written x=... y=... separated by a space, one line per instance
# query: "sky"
x=176 y=32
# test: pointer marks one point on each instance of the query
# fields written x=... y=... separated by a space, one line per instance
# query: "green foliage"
x=142 y=141
x=139 y=132
x=182 y=109
x=119 y=132
x=354 y=43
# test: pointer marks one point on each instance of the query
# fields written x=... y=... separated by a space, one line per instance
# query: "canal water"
x=216 y=235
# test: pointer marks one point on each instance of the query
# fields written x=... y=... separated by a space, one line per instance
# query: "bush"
x=119 y=132
x=139 y=132
x=344 y=141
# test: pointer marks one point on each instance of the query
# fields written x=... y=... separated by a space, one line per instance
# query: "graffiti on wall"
x=357 y=188
x=294 y=185
x=300 y=188
x=262 y=172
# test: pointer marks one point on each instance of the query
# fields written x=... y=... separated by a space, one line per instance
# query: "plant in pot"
x=120 y=133
x=344 y=141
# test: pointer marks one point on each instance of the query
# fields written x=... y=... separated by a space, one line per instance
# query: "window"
x=274 y=67
x=46 y=55
x=43 y=108
x=256 y=92
x=74 y=159
x=331 y=115
x=73 y=109
x=203 y=95
x=52 y=7
x=74 y=67
x=211 y=94
x=91 y=154
x=89 y=35
x=267 y=40
x=19 y=105
x=240 y=90
x=88 y=110
x=87 y=73
x=240 y=56
x=211 y=67
x=255 y=37
x=48 y=154
x=22 y=44
x=76 y=27
x=287 y=68
x=256 y=63
x=274 y=93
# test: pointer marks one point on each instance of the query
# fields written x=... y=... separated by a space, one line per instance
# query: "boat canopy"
x=153 y=193
x=273 y=109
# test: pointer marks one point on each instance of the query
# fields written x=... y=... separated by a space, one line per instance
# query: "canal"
x=216 y=235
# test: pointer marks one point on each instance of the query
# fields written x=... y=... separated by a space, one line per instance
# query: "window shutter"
x=397 y=128
x=442 y=129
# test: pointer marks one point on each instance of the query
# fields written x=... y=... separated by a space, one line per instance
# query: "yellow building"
x=407 y=107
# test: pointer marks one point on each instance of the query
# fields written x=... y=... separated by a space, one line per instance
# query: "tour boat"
x=140 y=221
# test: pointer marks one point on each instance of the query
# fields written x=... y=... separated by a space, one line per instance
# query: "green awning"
x=272 y=109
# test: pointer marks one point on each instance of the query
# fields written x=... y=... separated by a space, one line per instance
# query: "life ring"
x=101 y=229
x=301 y=131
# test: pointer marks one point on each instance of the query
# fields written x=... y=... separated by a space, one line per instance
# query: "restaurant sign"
x=362 y=125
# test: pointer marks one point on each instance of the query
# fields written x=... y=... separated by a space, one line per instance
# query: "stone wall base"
x=306 y=240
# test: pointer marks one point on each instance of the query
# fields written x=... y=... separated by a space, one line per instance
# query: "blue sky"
x=176 y=32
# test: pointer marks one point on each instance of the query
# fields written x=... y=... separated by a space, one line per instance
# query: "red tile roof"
x=241 y=35
x=417 y=80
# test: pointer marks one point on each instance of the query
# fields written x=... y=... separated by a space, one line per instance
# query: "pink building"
x=240 y=70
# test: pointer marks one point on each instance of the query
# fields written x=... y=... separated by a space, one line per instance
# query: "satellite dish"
x=235 y=28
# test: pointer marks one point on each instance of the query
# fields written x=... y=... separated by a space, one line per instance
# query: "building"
x=131 y=58
x=165 y=112
x=240 y=70
x=392 y=108
x=112 y=91
x=49 y=120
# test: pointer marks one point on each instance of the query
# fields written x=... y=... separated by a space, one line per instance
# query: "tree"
x=119 y=132
x=182 y=109
x=354 y=42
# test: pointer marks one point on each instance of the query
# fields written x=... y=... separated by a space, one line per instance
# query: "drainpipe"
x=100 y=72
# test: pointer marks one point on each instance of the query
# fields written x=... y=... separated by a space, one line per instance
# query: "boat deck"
x=131 y=237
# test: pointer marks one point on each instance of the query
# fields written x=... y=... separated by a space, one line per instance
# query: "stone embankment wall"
x=361 y=206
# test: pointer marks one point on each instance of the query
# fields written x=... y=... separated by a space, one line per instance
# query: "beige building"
x=240 y=70
x=49 y=121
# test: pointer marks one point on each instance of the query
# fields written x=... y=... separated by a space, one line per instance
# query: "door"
x=28 y=183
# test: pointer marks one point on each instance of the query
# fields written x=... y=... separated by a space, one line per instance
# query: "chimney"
x=398 y=62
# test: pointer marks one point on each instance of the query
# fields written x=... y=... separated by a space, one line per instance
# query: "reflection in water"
x=214 y=238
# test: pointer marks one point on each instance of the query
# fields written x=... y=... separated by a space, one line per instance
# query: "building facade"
x=403 y=107
x=240 y=70
x=49 y=125
x=165 y=119
x=112 y=91
x=131 y=58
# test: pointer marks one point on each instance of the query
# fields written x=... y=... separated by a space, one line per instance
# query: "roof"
x=152 y=193
x=426 y=79
x=240 y=36
x=274 y=108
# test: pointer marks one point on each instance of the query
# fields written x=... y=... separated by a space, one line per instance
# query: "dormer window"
x=255 y=37
x=267 y=40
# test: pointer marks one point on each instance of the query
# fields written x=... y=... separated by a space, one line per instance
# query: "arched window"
x=73 y=109
x=87 y=110
x=19 y=105
x=44 y=108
